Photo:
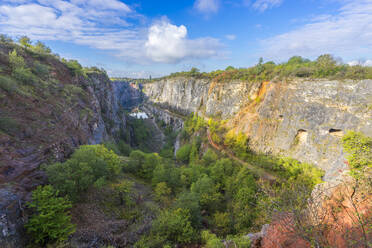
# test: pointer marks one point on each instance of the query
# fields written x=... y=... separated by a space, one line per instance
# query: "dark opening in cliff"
x=300 y=138
x=336 y=132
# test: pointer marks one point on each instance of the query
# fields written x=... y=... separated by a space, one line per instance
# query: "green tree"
x=122 y=190
x=51 y=221
x=222 y=223
x=209 y=197
x=87 y=164
x=40 y=47
x=162 y=193
x=183 y=154
x=25 y=41
x=359 y=149
x=174 y=226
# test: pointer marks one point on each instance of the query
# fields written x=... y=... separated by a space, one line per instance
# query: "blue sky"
x=142 y=38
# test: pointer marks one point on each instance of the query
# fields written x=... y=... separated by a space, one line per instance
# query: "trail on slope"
x=259 y=171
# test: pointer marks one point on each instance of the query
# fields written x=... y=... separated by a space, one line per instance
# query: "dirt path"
x=259 y=171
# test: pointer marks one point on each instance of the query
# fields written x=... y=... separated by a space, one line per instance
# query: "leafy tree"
x=87 y=164
x=122 y=190
x=41 y=48
x=162 y=193
x=166 y=172
x=359 y=149
x=209 y=197
x=74 y=66
x=209 y=157
x=51 y=221
x=25 y=41
x=222 y=223
x=190 y=202
x=210 y=240
x=183 y=154
x=173 y=226
x=19 y=69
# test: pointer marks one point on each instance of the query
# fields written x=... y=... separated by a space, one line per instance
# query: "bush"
x=124 y=148
x=210 y=240
x=8 y=125
x=51 y=221
x=87 y=165
x=183 y=154
x=173 y=226
x=190 y=202
x=40 y=69
x=359 y=149
x=74 y=66
x=7 y=84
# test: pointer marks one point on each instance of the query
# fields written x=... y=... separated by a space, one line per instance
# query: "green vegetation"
x=88 y=165
x=171 y=227
x=359 y=149
x=50 y=222
x=325 y=66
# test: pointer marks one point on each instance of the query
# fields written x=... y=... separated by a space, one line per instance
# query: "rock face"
x=45 y=123
x=304 y=119
x=128 y=94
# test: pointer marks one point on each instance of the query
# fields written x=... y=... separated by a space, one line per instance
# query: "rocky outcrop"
x=129 y=95
x=44 y=122
x=304 y=119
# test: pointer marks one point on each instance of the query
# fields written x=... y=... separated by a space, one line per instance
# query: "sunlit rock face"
x=304 y=119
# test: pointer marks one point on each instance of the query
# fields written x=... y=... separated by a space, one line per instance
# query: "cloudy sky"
x=147 y=37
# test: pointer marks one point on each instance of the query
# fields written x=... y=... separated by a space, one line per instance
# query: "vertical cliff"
x=304 y=119
x=43 y=118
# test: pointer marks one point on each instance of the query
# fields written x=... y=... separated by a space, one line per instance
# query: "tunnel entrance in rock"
x=336 y=132
x=301 y=137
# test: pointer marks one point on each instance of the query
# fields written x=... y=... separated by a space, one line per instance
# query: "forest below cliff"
x=214 y=191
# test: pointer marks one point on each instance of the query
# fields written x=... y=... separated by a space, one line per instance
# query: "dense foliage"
x=325 y=66
x=359 y=149
x=50 y=222
x=87 y=166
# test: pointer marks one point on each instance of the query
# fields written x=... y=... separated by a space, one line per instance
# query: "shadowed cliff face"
x=43 y=121
x=304 y=119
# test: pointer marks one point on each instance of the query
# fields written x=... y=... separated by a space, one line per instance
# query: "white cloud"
x=103 y=24
x=230 y=37
x=207 y=6
x=263 y=5
x=348 y=33
x=360 y=62
x=168 y=43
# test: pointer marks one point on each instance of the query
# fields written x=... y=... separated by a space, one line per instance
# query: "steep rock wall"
x=304 y=119
x=47 y=125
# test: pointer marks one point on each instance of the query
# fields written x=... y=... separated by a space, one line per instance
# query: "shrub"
x=40 y=69
x=222 y=223
x=183 y=154
x=87 y=164
x=8 y=125
x=209 y=197
x=7 y=84
x=19 y=69
x=162 y=193
x=359 y=149
x=51 y=221
x=124 y=148
x=74 y=66
x=190 y=202
x=122 y=191
x=15 y=60
x=173 y=226
x=210 y=240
